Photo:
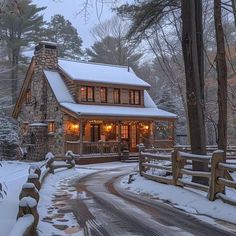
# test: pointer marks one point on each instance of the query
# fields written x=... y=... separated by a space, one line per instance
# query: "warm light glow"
x=72 y=127
x=108 y=128
x=146 y=127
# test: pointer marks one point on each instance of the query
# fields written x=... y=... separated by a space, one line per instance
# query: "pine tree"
x=111 y=51
x=19 y=27
x=65 y=35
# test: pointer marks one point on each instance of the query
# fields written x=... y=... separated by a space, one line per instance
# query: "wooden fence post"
x=28 y=205
x=141 y=148
x=34 y=178
x=215 y=187
x=174 y=166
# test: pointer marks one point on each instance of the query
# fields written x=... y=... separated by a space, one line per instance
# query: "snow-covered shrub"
x=49 y=155
x=9 y=138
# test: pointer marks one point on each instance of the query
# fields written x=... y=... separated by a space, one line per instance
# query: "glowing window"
x=51 y=126
x=87 y=93
x=103 y=94
x=116 y=95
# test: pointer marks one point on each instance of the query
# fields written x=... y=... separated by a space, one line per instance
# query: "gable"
x=24 y=88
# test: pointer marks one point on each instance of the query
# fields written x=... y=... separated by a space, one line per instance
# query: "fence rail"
x=217 y=173
x=28 y=217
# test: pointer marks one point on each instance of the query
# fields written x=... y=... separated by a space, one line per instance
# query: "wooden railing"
x=218 y=172
x=181 y=163
x=73 y=146
x=94 y=147
x=28 y=217
x=148 y=161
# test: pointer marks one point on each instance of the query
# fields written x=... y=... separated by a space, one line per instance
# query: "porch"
x=106 y=137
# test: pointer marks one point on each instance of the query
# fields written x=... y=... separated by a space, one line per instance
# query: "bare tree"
x=221 y=77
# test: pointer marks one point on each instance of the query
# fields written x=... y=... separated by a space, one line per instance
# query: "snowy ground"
x=55 y=218
x=13 y=175
x=186 y=199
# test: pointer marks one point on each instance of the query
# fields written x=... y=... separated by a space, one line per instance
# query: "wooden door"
x=133 y=138
x=95 y=133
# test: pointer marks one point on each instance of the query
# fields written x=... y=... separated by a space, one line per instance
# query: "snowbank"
x=189 y=200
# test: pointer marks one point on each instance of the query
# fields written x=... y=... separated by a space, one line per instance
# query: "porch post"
x=119 y=137
x=151 y=139
x=173 y=131
x=81 y=137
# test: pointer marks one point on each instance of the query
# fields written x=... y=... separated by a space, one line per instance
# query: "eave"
x=23 y=90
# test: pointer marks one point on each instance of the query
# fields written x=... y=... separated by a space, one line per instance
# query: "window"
x=103 y=94
x=28 y=96
x=134 y=97
x=124 y=131
x=87 y=94
x=116 y=95
x=51 y=126
x=25 y=127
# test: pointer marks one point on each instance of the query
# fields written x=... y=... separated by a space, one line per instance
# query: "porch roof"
x=117 y=111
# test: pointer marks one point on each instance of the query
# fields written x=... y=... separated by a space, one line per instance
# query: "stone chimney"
x=45 y=57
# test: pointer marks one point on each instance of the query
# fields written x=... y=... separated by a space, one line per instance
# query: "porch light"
x=75 y=127
x=146 y=127
x=108 y=128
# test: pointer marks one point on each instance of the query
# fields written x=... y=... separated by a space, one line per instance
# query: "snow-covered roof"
x=101 y=73
x=148 y=102
x=58 y=86
x=117 y=111
x=65 y=99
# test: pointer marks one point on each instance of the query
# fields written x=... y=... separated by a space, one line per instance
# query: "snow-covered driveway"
x=97 y=205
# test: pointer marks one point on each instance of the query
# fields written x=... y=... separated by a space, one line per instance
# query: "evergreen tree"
x=111 y=51
x=19 y=27
x=65 y=35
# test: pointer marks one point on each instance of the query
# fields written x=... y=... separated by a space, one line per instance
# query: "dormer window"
x=87 y=94
x=116 y=95
x=134 y=97
x=103 y=95
x=28 y=96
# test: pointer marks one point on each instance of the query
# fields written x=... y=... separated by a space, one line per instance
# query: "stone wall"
x=42 y=109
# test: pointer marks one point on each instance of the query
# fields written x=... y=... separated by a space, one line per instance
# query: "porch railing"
x=93 y=147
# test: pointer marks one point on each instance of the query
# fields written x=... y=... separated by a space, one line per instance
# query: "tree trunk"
x=14 y=74
x=192 y=45
x=221 y=68
x=233 y=2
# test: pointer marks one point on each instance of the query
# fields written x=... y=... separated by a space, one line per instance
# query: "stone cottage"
x=92 y=109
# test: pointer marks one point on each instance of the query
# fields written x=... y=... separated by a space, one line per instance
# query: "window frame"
x=116 y=101
x=132 y=97
x=87 y=98
x=28 y=96
x=51 y=126
x=101 y=94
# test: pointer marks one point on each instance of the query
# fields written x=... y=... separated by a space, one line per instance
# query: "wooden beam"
x=81 y=137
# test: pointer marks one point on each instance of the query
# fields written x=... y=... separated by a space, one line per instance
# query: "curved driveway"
x=102 y=208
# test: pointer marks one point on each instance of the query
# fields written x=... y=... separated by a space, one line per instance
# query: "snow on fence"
x=181 y=163
x=28 y=217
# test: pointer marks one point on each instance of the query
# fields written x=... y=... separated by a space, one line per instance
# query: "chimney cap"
x=48 y=43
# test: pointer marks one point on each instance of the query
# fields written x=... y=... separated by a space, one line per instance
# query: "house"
x=88 y=108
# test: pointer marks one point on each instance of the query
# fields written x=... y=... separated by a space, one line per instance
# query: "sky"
x=70 y=9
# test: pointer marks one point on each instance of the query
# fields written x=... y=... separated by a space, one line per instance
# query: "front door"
x=133 y=138
x=129 y=137
x=95 y=133
x=125 y=136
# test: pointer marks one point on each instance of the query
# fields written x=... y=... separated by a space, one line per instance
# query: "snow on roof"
x=148 y=102
x=58 y=86
x=101 y=73
x=115 y=111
